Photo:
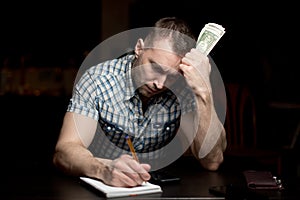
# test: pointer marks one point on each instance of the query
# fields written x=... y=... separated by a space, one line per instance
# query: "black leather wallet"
x=262 y=180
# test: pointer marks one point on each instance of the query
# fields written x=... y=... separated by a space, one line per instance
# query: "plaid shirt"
x=106 y=93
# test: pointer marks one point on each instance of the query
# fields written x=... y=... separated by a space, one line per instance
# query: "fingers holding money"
x=199 y=61
x=195 y=64
x=196 y=69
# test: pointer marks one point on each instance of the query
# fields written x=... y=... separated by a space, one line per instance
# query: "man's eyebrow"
x=157 y=64
x=164 y=70
x=154 y=62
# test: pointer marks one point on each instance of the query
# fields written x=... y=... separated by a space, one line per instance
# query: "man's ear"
x=139 y=47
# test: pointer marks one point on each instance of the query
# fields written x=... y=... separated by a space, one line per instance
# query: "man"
x=145 y=96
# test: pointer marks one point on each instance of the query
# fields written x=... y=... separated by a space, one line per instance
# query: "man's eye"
x=157 y=68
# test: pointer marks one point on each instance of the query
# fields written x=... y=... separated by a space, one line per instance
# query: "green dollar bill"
x=209 y=36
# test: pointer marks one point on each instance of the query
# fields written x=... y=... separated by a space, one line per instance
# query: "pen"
x=131 y=148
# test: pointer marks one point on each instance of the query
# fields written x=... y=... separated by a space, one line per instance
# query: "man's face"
x=156 y=68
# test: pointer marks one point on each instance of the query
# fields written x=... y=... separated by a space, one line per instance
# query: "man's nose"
x=160 y=81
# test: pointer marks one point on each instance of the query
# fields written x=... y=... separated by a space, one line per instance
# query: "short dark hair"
x=175 y=24
x=176 y=31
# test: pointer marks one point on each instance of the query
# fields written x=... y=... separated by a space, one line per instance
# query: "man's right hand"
x=126 y=172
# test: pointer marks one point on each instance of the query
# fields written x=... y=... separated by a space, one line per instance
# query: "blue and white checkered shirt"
x=106 y=93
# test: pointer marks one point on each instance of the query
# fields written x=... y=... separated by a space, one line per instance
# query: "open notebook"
x=110 y=191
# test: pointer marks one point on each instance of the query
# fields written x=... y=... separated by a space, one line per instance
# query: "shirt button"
x=168 y=128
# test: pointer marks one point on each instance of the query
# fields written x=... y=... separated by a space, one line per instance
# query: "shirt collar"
x=129 y=89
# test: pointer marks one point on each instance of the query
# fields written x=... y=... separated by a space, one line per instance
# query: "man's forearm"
x=78 y=161
x=210 y=141
x=215 y=157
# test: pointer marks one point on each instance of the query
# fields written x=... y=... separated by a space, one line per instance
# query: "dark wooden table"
x=40 y=180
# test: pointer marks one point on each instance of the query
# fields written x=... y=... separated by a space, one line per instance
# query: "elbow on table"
x=56 y=160
x=211 y=165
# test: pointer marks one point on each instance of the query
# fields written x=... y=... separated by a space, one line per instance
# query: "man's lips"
x=150 y=89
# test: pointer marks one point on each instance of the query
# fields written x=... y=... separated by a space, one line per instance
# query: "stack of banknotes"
x=209 y=36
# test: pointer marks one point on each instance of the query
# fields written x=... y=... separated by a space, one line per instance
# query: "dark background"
x=259 y=49
x=50 y=32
